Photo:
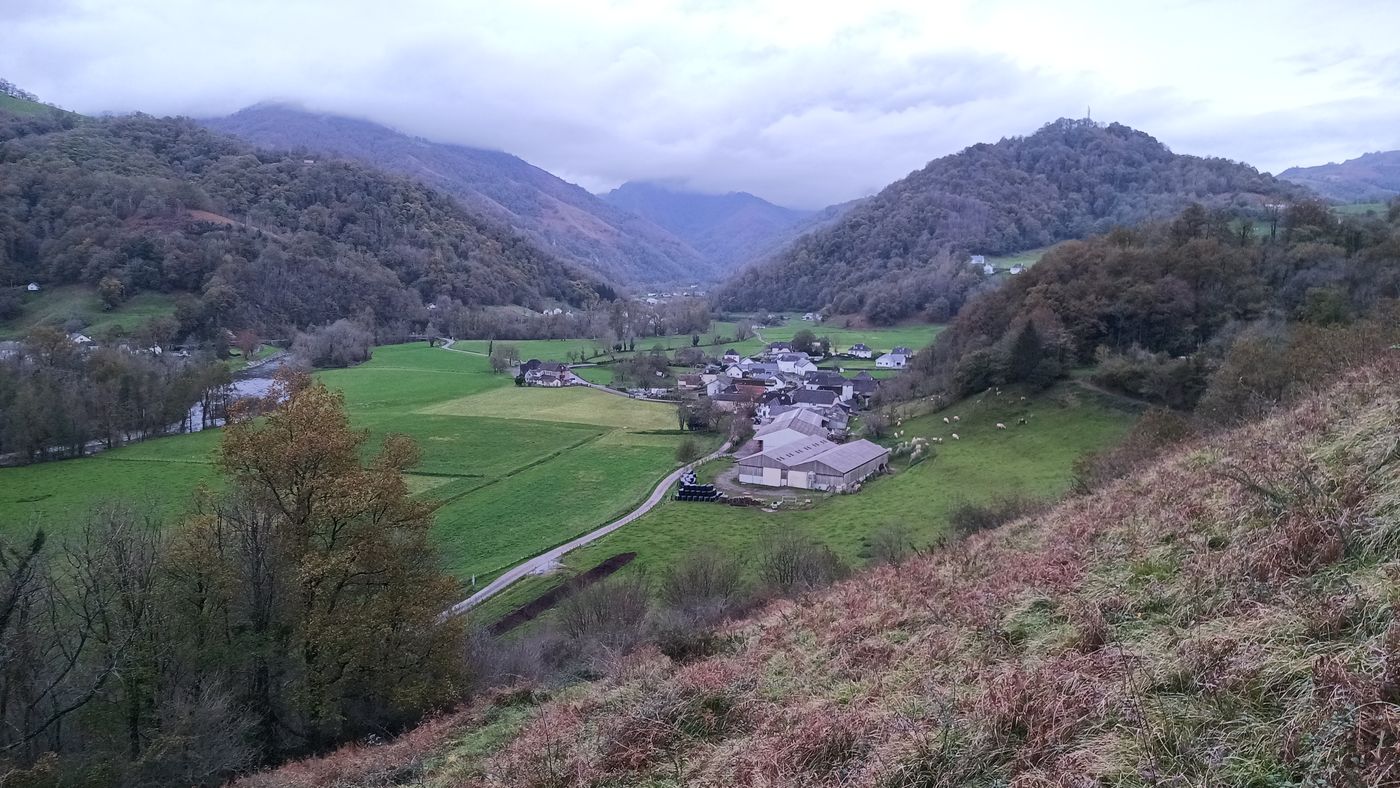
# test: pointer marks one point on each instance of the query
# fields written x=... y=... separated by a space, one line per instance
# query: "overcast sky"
x=804 y=103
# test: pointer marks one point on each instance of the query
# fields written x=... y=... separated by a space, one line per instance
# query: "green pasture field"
x=1035 y=460
x=515 y=470
x=558 y=349
x=1361 y=209
x=56 y=305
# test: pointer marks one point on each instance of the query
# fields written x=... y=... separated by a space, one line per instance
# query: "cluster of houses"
x=980 y=261
x=550 y=374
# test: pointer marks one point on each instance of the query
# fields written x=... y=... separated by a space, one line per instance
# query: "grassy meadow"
x=1035 y=459
x=515 y=471
x=55 y=306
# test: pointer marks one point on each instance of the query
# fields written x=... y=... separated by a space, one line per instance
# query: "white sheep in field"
x=955 y=437
x=1001 y=426
x=945 y=420
x=955 y=418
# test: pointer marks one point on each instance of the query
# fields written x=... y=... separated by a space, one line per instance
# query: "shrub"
x=688 y=450
x=791 y=562
x=340 y=344
x=611 y=614
x=969 y=518
x=890 y=544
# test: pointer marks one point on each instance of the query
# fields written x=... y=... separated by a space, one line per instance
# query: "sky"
x=802 y=103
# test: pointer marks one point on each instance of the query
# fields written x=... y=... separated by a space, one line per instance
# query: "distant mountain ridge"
x=902 y=252
x=563 y=218
x=728 y=229
x=1371 y=177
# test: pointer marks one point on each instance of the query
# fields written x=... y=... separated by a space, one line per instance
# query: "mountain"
x=900 y=252
x=564 y=218
x=1372 y=177
x=140 y=204
x=727 y=229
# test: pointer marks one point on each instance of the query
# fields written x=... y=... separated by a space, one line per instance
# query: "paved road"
x=546 y=559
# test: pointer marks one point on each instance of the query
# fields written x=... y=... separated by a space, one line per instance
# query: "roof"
x=846 y=457
x=790 y=357
x=892 y=357
x=817 y=397
x=731 y=352
x=799 y=419
x=797 y=451
x=859 y=346
x=864 y=385
x=903 y=351
x=825 y=377
x=864 y=376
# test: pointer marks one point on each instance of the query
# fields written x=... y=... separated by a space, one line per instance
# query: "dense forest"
x=571 y=223
x=136 y=204
x=1197 y=314
x=1070 y=179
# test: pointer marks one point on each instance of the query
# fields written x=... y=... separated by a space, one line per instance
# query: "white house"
x=80 y=339
x=1018 y=268
x=795 y=364
x=861 y=350
x=812 y=317
x=977 y=260
x=33 y=287
x=989 y=269
x=892 y=361
x=731 y=356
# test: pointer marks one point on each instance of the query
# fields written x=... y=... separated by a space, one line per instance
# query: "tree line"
x=57 y=399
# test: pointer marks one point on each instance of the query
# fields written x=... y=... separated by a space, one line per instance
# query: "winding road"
x=551 y=557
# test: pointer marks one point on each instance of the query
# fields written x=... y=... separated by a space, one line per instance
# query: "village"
x=801 y=413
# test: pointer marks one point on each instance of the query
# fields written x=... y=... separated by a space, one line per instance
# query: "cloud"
x=805 y=103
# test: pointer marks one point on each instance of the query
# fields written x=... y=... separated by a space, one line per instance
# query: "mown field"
x=1035 y=459
x=516 y=470
x=55 y=306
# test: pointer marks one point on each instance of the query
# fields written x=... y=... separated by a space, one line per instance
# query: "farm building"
x=790 y=426
x=814 y=464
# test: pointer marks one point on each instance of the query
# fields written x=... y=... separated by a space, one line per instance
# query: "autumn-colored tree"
x=247 y=341
x=322 y=571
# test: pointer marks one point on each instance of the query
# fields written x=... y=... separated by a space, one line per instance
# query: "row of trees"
x=56 y=399
x=296 y=610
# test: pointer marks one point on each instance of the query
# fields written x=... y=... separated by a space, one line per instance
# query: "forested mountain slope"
x=138 y=204
x=563 y=218
x=728 y=229
x=1369 y=177
x=902 y=250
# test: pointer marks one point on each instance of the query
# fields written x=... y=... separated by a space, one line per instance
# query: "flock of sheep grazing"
x=951 y=420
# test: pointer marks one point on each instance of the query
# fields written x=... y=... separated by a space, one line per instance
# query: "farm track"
x=552 y=556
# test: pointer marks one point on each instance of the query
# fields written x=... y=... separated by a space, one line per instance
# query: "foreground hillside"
x=903 y=250
x=140 y=205
x=1226 y=617
x=1369 y=177
x=562 y=217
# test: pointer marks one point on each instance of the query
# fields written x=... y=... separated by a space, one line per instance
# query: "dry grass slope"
x=1226 y=618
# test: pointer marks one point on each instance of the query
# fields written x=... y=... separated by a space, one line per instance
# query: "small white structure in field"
x=33 y=287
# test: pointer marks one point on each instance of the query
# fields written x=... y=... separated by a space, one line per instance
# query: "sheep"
x=1001 y=426
x=955 y=418
x=1022 y=421
x=945 y=420
x=1023 y=399
x=955 y=437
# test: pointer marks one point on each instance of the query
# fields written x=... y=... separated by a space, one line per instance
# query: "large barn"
x=814 y=463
